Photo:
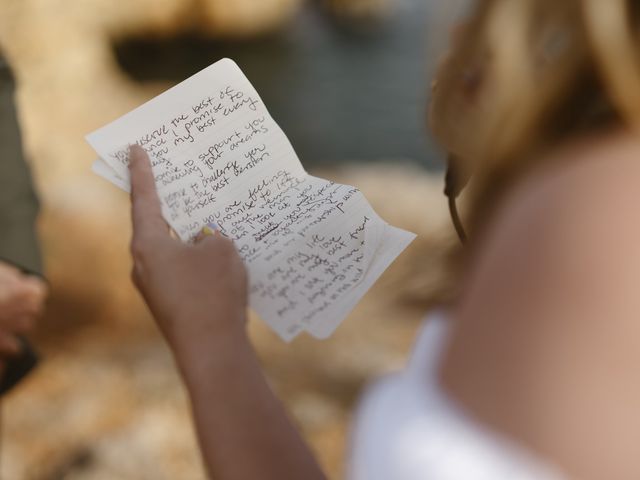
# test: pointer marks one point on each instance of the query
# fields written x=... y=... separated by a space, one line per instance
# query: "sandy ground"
x=106 y=402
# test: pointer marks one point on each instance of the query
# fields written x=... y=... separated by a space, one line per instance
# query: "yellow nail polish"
x=207 y=231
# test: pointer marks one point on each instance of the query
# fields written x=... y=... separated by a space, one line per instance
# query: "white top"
x=408 y=429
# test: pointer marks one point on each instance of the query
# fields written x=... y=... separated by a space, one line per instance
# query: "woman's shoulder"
x=588 y=186
x=607 y=164
x=547 y=332
x=570 y=226
x=587 y=192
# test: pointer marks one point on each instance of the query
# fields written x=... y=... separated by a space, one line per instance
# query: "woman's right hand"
x=197 y=293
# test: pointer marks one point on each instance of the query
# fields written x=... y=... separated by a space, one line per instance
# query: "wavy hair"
x=551 y=70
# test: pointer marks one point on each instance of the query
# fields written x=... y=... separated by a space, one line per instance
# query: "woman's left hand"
x=197 y=293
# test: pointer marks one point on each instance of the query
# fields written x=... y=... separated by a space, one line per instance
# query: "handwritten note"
x=312 y=247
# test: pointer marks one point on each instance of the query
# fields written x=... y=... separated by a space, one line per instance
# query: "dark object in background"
x=18 y=202
x=18 y=367
x=18 y=213
x=342 y=90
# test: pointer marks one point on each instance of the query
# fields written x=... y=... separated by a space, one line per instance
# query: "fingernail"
x=210 y=229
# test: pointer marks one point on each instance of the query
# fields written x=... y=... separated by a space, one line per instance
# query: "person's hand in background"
x=197 y=293
x=22 y=300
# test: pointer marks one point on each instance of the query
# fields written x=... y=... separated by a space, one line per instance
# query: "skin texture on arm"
x=546 y=342
x=198 y=296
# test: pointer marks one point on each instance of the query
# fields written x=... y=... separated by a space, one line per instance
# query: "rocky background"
x=106 y=402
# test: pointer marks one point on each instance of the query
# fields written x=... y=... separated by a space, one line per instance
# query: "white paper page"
x=218 y=157
x=105 y=171
x=393 y=243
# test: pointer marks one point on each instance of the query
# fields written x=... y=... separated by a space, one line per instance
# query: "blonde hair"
x=551 y=70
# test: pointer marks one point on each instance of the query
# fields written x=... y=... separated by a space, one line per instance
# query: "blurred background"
x=348 y=82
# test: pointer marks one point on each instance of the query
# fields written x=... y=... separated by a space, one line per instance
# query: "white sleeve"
x=407 y=428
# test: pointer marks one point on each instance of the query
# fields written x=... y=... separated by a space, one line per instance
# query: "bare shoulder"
x=547 y=337
x=596 y=172
x=573 y=225
x=587 y=189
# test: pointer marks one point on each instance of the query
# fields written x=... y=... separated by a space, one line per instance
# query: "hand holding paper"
x=191 y=300
x=312 y=247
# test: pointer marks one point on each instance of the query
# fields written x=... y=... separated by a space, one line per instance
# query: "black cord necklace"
x=452 y=189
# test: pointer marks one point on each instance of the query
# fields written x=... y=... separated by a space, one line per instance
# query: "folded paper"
x=312 y=247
